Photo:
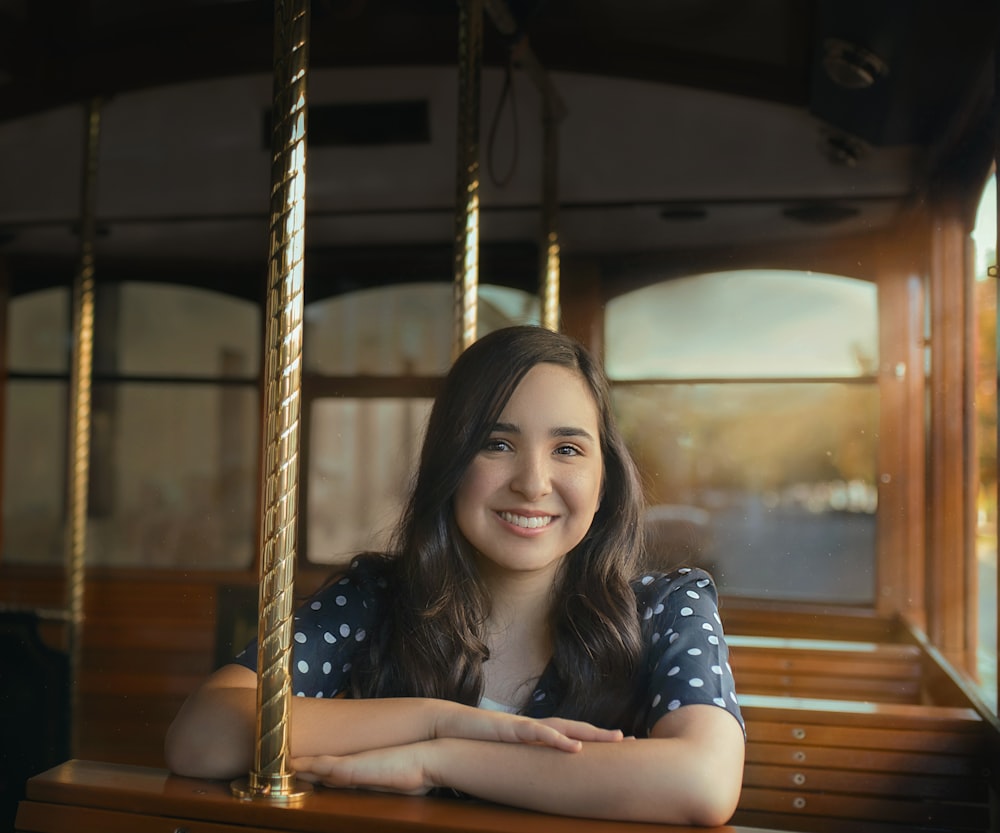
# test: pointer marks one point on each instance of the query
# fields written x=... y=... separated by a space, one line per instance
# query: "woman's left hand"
x=398 y=769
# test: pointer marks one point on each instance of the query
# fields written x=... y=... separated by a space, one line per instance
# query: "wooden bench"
x=843 y=670
x=851 y=767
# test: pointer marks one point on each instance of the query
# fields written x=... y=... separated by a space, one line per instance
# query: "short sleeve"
x=327 y=631
x=687 y=659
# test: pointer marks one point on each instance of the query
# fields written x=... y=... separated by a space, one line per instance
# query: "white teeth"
x=526 y=523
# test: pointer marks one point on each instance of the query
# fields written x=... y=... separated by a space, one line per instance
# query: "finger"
x=579 y=730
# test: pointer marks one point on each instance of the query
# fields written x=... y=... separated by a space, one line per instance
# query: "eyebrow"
x=559 y=431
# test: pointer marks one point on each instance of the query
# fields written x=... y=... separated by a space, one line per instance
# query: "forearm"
x=213 y=735
x=656 y=780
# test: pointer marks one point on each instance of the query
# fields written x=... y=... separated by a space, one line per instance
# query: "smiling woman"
x=508 y=630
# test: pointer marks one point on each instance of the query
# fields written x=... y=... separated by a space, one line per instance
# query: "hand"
x=397 y=769
x=458 y=721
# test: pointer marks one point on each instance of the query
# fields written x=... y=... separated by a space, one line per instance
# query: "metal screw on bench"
x=271 y=777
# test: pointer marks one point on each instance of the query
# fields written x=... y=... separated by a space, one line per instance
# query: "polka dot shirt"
x=686 y=658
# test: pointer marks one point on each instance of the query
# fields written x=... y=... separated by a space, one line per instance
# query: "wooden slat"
x=950 y=815
x=958 y=787
x=814 y=734
x=868 y=760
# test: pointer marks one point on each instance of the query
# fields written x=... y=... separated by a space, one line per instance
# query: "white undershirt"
x=494 y=706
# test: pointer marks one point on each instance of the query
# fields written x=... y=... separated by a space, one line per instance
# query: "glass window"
x=745 y=324
x=362 y=454
x=985 y=300
x=173 y=464
x=400 y=330
x=38 y=336
x=750 y=403
x=34 y=472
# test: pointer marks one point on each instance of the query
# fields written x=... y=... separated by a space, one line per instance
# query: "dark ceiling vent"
x=364 y=124
x=820 y=213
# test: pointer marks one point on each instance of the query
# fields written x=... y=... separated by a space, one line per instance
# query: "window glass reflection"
x=34 y=472
x=771 y=487
x=38 y=336
x=362 y=454
x=745 y=324
x=176 y=485
x=401 y=330
x=177 y=330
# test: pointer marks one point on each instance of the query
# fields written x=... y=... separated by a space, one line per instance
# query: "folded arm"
x=213 y=734
x=689 y=772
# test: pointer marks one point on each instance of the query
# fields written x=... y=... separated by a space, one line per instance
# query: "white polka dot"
x=316 y=605
x=329 y=637
x=344 y=580
x=696 y=682
x=347 y=667
x=676 y=669
x=673 y=704
x=341 y=601
x=345 y=630
x=659 y=609
x=319 y=695
x=703 y=582
x=300 y=638
x=716 y=615
x=656 y=701
x=692 y=595
x=713 y=639
x=655 y=638
x=694 y=652
x=327 y=668
x=732 y=696
x=674 y=637
x=719 y=701
x=646 y=580
x=684 y=571
x=300 y=694
x=303 y=666
x=707 y=626
x=686 y=611
x=539 y=696
x=648 y=614
x=717 y=669
x=360 y=635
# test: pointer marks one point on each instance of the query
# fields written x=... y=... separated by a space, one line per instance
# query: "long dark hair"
x=430 y=643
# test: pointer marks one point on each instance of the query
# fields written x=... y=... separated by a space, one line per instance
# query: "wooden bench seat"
x=882 y=672
x=834 y=765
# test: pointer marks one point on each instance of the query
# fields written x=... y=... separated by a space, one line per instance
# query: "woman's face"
x=530 y=494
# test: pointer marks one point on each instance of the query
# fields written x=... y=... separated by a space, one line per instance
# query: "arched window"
x=750 y=401
x=174 y=431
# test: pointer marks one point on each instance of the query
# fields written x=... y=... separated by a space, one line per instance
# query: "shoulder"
x=686 y=585
x=360 y=591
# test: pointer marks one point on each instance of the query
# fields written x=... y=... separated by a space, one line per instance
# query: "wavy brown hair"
x=431 y=642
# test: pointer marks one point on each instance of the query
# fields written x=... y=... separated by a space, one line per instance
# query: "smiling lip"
x=526 y=521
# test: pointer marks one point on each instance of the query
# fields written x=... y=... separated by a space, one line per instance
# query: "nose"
x=532 y=477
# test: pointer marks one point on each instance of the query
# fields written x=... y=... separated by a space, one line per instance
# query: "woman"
x=502 y=649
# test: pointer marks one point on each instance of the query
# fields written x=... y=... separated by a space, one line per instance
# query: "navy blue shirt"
x=687 y=660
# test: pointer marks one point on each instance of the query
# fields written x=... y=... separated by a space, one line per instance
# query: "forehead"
x=551 y=392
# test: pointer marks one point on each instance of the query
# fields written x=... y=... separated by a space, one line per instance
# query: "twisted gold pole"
x=470 y=59
x=549 y=269
x=78 y=458
x=271 y=776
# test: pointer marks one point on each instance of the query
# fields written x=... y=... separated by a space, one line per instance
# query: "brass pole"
x=466 y=277
x=78 y=458
x=549 y=267
x=271 y=776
